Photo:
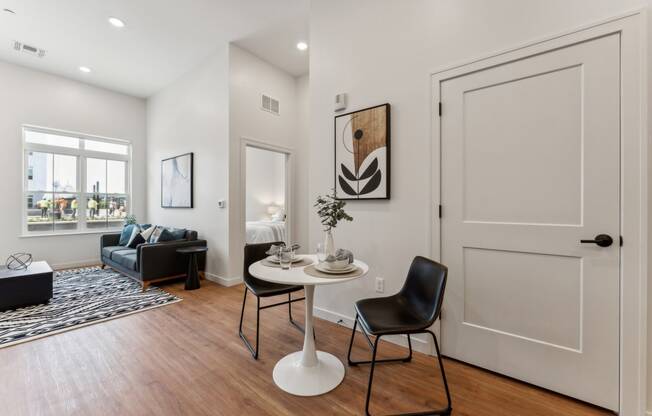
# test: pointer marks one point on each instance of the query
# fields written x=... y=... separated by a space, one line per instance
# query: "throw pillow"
x=177 y=233
x=125 y=236
x=138 y=239
x=155 y=234
x=134 y=232
x=165 y=235
x=148 y=233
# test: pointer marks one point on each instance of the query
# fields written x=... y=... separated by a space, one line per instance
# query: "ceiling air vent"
x=29 y=49
x=270 y=104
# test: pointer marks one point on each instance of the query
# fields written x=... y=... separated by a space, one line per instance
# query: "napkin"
x=274 y=249
x=341 y=254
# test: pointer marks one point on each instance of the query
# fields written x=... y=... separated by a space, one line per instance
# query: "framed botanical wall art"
x=176 y=181
x=362 y=154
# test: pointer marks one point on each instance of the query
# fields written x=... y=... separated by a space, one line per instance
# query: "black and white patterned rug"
x=81 y=297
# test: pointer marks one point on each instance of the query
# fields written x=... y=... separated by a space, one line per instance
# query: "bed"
x=265 y=231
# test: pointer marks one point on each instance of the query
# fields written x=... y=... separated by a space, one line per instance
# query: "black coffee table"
x=192 y=281
x=26 y=287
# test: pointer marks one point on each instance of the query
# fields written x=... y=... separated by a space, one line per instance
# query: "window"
x=74 y=182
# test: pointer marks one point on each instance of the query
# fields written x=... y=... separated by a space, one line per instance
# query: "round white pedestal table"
x=307 y=372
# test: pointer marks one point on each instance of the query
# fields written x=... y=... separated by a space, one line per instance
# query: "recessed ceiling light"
x=84 y=69
x=116 y=22
x=302 y=46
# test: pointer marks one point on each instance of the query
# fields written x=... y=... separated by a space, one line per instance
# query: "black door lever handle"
x=603 y=240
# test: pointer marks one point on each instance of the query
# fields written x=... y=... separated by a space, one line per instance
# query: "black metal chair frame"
x=289 y=302
x=374 y=348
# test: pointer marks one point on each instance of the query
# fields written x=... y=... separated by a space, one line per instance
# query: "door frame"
x=632 y=27
x=289 y=168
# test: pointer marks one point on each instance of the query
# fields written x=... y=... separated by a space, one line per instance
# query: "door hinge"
x=621 y=240
x=439 y=211
x=440 y=109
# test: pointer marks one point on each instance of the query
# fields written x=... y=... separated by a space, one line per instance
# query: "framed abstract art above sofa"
x=177 y=181
x=362 y=154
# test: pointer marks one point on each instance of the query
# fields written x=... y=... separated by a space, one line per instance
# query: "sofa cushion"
x=108 y=251
x=126 y=258
x=126 y=234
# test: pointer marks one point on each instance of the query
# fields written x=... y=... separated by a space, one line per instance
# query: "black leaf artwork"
x=372 y=172
x=346 y=187
x=373 y=167
x=373 y=183
x=361 y=169
x=348 y=174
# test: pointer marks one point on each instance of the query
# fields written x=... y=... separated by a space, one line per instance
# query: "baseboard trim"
x=76 y=264
x=418 y=343
x=223 y=281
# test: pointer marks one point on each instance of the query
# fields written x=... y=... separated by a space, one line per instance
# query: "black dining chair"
x=263 y=289
x=411 y=311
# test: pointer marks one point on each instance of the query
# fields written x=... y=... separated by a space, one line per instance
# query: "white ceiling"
x=162 y=39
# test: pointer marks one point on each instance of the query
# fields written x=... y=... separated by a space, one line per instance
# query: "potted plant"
x=331 y=212
x=130 y=219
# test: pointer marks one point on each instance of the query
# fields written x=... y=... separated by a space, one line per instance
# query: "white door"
x=530 y=166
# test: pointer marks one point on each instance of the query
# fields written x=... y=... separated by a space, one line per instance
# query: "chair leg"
x=449 y=407
x=293 y=322
x=445 y=411
x=371 y=376
x=252 y=350
x=387 y=360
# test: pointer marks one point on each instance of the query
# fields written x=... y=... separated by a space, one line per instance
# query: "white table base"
x=308 y=372
x=299 y=380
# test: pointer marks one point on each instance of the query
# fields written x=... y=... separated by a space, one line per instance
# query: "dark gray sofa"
x=150 y=262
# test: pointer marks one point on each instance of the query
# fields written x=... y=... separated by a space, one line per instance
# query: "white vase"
x=329 y=244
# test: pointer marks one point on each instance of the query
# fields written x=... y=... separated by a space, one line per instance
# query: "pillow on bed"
x=279 y=215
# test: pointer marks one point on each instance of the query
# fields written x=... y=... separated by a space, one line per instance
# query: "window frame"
x=81 y=192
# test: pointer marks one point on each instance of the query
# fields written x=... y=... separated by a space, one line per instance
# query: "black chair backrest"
x=254 y=253
x=424 y=287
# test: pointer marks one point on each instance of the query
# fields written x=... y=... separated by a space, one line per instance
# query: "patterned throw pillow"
x=125 y=236
x=148 y=232
x=153 y=238
x=135 y=231
x=138 y=239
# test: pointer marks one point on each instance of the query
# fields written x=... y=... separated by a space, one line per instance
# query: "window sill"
x=55 y=234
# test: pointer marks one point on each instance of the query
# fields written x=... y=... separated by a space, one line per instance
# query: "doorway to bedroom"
x=266 y=195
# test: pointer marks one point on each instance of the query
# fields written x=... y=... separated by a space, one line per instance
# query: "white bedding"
x=265 y=231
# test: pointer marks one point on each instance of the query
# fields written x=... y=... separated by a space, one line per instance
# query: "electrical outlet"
x=380 y=285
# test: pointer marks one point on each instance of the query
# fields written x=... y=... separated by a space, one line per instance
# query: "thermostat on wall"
x=340 y=102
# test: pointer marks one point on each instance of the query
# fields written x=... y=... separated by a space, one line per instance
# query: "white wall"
x=265 y=182
x=302 y=201
x=384 y=51
x=249 y=77
x=32 y=97
x=191 y=115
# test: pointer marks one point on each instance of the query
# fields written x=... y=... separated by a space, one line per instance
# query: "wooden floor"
x=187 y=359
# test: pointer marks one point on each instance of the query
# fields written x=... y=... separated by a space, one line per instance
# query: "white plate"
x=274 y=259
x=323 y=268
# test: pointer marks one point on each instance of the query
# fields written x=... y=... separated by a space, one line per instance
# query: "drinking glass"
x=321 y=253
x=285 y=255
